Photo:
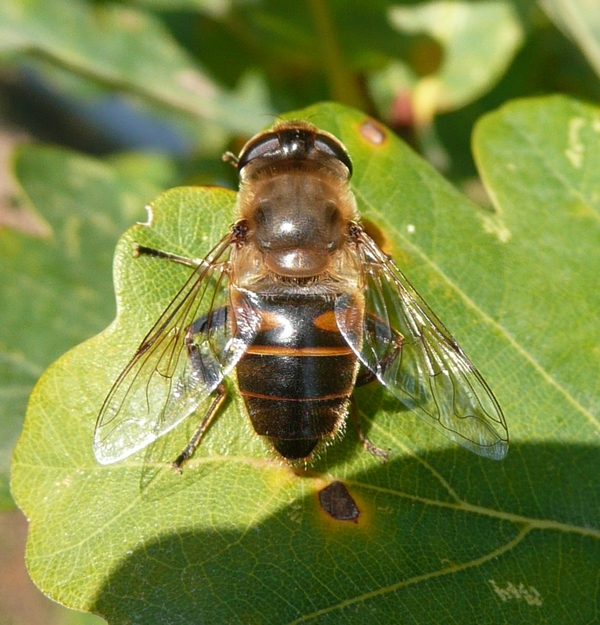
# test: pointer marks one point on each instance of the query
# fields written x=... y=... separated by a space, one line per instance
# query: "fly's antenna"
x=230 y=157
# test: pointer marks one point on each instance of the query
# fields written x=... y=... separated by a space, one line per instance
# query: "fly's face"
x=300 y=302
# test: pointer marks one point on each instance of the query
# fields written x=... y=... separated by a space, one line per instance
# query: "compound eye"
x=334 y=148
x=263 y=144
x=293 y=143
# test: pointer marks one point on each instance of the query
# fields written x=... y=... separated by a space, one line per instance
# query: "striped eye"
x=293 y=142
x=334 y=148
x=264 y=145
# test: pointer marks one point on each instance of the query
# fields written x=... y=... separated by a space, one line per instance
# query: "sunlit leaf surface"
x=56 y=291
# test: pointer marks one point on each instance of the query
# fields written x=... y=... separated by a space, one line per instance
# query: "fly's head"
x=295 y=198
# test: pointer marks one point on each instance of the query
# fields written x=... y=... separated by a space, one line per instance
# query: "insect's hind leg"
x=208 y=417
x=394 y=340
x=366 y=376
x=203 y=325
x=366 y=443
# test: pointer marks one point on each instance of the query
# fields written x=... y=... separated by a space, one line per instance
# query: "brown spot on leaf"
x=376 y=233
x=338 y=503
x=373 y=132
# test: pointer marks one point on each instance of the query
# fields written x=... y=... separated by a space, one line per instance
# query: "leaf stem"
x=343 y=83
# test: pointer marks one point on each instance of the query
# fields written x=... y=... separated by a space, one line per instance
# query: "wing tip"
x=108 y=453
x=496 y=451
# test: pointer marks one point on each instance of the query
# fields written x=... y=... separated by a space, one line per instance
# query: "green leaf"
x=57 y=291
x=442 y=535
x=540 y=160
x=580 y=20
x=211 y=7
x=125 y=49
x=478 y=40
x=21 y=603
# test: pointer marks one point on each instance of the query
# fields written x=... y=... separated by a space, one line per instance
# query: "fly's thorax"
x=297 y=219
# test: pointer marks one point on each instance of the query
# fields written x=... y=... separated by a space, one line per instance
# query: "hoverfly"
x=300 y=301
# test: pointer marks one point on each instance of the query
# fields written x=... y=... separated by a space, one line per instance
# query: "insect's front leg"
x=142 y=250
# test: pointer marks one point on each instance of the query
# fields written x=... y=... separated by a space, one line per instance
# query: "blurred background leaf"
x=57 y=290
x=122 y=48
x=579 y=20
x=478 y=41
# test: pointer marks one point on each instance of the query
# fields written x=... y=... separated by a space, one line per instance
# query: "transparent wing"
x=401 y=341
x=183 y=358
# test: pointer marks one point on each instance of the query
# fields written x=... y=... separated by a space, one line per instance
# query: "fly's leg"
x=383 y=331
x=203 y=325
x=366 y=376
x=142 y=250
x=208 y=417
x=366 y=443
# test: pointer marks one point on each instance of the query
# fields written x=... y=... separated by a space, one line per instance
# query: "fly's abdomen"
x=297 y=376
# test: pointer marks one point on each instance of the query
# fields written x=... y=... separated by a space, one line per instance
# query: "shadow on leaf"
x=417 y=553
